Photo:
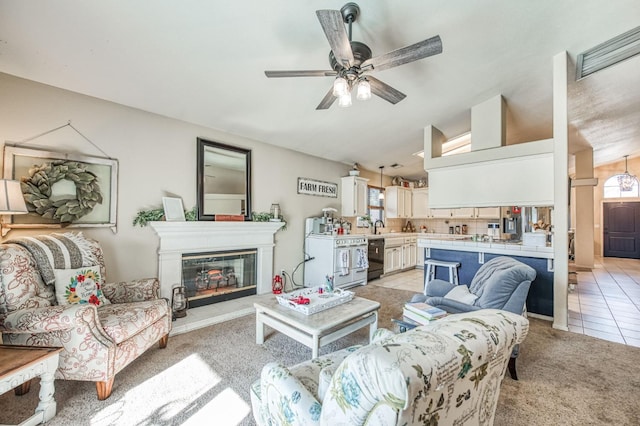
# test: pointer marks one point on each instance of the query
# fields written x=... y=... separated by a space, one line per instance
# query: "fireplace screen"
x=219 y=276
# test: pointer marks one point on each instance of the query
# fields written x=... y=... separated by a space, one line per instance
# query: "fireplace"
x=219 y=276
x=202 y=244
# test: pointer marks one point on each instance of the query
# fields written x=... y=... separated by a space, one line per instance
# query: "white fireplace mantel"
x=177 y=238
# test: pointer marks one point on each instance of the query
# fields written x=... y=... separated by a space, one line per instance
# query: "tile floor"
x=605 y=303
x=411 y=280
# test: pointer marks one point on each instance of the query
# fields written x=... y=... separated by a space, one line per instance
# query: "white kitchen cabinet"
x=408 y=203
x=440 y=213
x=354 y=196
x=392 y=259
x=413 y=253
x=419 y=257
x=409 y=252
x=463 y=213
x=488 y=212
x=420 y=203
x=397 y=202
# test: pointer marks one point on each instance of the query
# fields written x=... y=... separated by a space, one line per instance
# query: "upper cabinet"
x=488 y=212
x=404 y=203
x=398 y=202
x=420 y=203
x=463 y=213
x=440 y=213
x=354 y=196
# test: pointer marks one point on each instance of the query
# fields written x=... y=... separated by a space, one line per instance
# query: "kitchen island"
x=473 y=254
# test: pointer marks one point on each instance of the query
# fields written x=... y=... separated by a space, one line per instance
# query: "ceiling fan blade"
x=425 y=48
x=310 y=73
x=385 y=91
x=333 y=25
x=327 y=101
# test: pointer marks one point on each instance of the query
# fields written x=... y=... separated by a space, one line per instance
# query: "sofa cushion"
x=122 y=321
x=81 y=285
x=308 y=372
x=20 y=283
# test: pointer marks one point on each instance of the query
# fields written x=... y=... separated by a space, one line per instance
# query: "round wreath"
x=37 y=190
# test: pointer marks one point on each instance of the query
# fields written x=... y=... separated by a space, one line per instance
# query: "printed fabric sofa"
x=445 y=373
x=52 y=293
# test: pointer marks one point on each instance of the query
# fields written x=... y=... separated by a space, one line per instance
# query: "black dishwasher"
x=376 y=258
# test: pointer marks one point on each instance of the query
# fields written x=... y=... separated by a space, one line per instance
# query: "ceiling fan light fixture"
x=340 y=87
x=349 y=60
x=344 y=101
x=364 y=90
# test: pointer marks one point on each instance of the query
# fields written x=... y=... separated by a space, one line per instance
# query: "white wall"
x=157 y=157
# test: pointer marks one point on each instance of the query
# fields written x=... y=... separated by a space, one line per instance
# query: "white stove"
x=349 y=241
x=343 y=257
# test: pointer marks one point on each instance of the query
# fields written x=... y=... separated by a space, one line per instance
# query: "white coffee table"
x=321 y=328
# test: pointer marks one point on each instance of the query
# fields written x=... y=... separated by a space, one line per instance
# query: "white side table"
x=20 y=364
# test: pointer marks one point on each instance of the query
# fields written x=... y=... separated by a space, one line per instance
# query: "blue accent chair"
x=501 y=283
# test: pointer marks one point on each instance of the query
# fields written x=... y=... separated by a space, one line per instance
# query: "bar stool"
x=430 y=266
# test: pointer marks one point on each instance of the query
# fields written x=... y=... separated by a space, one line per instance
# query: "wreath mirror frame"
x=108 y=167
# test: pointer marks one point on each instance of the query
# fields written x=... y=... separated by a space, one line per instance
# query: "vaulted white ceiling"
x=203 y=62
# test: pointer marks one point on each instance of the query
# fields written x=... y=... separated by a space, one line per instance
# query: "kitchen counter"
x=465 y=243
x=498 y=247
x=411 y=234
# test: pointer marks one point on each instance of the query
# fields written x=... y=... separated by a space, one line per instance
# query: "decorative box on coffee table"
x=318 y=300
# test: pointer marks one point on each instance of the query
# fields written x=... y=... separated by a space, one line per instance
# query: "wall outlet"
x=282 y=272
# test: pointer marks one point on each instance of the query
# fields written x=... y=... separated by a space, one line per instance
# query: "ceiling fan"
x=352 y=61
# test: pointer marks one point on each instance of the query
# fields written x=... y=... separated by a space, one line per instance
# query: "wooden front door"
x=621 y=230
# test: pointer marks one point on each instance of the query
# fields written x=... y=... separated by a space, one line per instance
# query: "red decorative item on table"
x=276 y=285
x=301 y=300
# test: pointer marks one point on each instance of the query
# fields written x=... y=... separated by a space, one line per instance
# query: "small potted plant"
x=354 y=170
x=267 y=217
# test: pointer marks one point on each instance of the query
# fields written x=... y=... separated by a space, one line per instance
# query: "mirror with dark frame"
x=224 y=180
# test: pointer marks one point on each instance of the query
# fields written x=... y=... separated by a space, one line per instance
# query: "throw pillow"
x=82 y=285
x=324 y=381
x=461 y=294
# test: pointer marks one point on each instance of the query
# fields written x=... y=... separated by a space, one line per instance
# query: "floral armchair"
x=98 y=341
x=446 y=372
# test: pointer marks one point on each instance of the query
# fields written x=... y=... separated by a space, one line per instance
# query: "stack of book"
x=421 y=313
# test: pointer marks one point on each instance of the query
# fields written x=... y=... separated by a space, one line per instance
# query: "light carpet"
x=203 y=377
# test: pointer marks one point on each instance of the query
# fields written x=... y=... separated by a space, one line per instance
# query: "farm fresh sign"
x=317 y=188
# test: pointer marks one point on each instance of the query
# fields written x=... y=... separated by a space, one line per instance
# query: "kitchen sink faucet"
x=375 y=226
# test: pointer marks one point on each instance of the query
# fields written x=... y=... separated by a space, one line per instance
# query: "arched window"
x=614 y=188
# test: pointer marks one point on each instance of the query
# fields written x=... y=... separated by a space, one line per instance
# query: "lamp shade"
x=11 y=198
x=364 y=90
x=344 y=101
x=340 y=87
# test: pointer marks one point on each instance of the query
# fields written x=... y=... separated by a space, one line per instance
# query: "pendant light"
x=381 y=195
x=626 y=181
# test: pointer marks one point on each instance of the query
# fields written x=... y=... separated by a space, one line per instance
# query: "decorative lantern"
x=179 y=302
x=277 y=285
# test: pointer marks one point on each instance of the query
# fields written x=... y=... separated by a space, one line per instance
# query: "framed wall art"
x=62 y=189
